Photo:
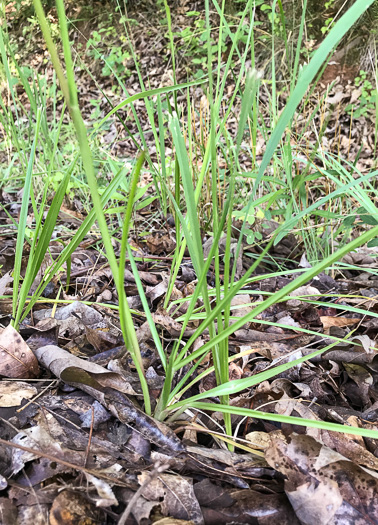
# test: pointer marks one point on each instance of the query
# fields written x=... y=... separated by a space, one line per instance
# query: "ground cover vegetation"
x=188 y=204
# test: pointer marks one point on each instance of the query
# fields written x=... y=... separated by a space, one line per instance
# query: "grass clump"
x=205 y=170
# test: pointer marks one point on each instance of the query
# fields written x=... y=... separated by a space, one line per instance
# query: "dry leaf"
x=323 y=486
x=108 y=389
x=13 y=392
x=328 y=321
x=17 y=360
x=4 y=281
x=70 y=508
x=176 y=495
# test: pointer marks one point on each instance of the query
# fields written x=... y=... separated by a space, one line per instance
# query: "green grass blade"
x=291 y=420
x=23 y=217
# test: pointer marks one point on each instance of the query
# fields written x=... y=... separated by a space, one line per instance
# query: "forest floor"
x=75 y=443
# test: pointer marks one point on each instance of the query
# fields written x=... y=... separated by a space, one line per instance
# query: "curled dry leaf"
x=17 y=360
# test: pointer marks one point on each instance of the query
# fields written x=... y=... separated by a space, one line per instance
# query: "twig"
x=51 y=385
x=89 y=438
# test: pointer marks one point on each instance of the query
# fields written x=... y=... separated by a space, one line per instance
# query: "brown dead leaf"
x=341 y=322
x=70 y=508
x=158 y=245
x=100 y=339
x=17 y=360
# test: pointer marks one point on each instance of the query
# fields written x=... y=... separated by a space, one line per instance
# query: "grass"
x=274 y=188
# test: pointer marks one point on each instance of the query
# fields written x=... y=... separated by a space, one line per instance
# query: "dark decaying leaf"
x=223 y=505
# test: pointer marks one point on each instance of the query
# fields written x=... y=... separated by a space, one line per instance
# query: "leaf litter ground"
x=77 y=447
x=72 y=420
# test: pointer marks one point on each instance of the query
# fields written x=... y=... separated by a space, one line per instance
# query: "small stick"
x=89 y=438
x=51 y=385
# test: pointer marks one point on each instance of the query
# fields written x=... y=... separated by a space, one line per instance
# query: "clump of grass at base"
x=217 y=317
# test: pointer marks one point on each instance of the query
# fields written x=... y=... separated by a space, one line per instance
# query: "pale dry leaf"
x=341 y=322
x=315 y=502
x=5 y=280
x=13 y=392
x=243 y=306
x=106 y=496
